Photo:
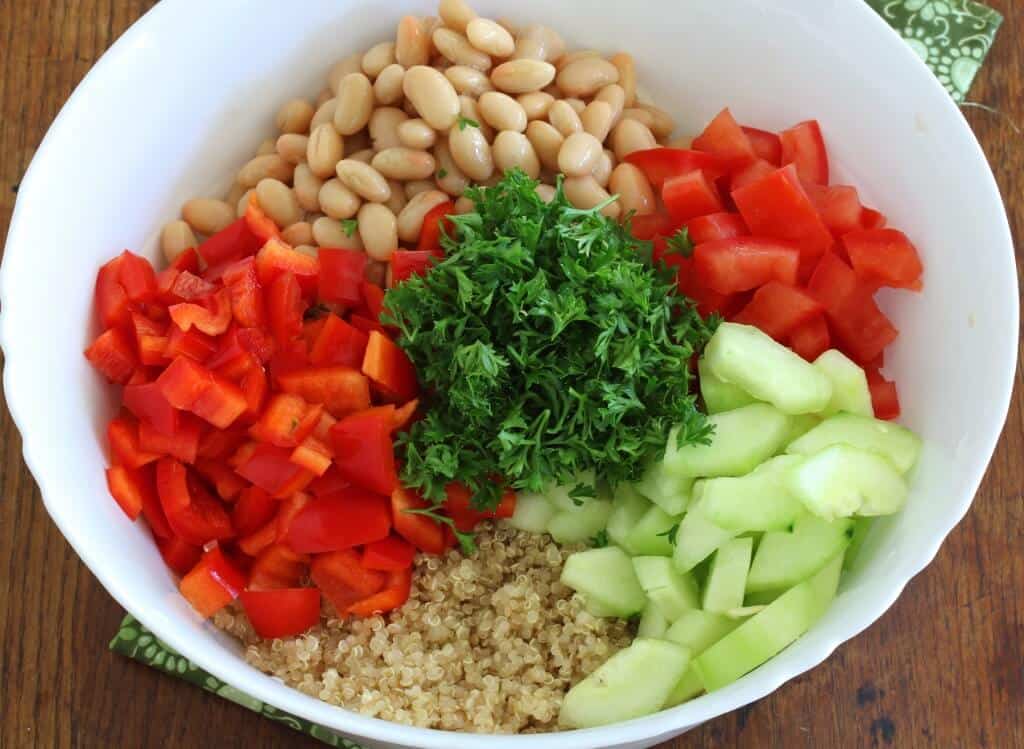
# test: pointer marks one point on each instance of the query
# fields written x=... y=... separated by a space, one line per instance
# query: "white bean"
x=298 y=234
x=279 y=202
x=512 y=149
x=539 y=43
x=467 y=80
x=292 y=147
x=307 y=249
x=585 y=192
x=634 y=191
x=546 y=192
x=564 y=118
x=661 y=122
x=579 y=155
x=365 y=156
x=432 y=95
x=397 y=200
x=294 y=116
x=268 y=146
x=207 y=215
x=629 y=136
x=243 y=203
x=328 y=232
x=307 y=188
x=522 y=76
x=387 y=89
x=502 y=112
x=403 y=163
x=471 y=152
x=456 y=14
x=615 y=98
x=355 y=104
x=363 y=180
x=269 y=165
x=457 y=49
x=324 y=113
x=384 y=124
x=587 y=76
x=464 y=205
x=414 y=188
x=324 y=150
x=377 y=58
x=536 y=104
x=547 y=142
x=450 y=178
x=603 y=169
x=416 y=134
x=338 y=201
x=378 y=230
x=597 y=119
x=351 y=64
x=175 y=238
x=410 y=220
x=627 y=76
x=490 y=37
x=412 y=45
x=577 y=54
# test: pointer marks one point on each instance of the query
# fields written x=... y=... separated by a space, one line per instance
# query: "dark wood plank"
x=942 y=668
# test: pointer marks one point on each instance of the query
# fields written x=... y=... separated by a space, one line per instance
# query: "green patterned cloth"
x=951 y=36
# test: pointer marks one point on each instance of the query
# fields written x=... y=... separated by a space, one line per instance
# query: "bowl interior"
x=151 y=127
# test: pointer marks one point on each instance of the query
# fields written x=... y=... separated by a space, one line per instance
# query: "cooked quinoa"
x=485 y=644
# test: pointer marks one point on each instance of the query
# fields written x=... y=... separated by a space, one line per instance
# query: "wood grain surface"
x=943 y=668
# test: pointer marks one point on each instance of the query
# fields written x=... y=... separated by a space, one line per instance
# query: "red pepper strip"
x=388 y=554
x=113 y=355
x=343 y=579
x=212 y=584
x=192 y=512
x=281 y=613
x=396 y=592
x=341 y=276
x=277 y=567
x=364 y=453
x=178 y=555
x=421 y=531
x=351 y=517
x=389 y=368
x=340 y=389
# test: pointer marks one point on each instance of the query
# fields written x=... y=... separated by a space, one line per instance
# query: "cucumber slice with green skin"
x=606 y=578
x=698 y=630
x=697 y=539
x=897 y=444
x=635 y=681
x=759 y=501
x=650 y=535
x=670 y=492
x=558 y=495
x=763 y=635
x=532 y=514
x=599 y=610
x=673 y=592
x=861 y=526
x=720 y=395
x=799 y=425
x=761 y=597
x=688 y=687
x=841 y=481
x=627 y=509
x=850 y=391
x=744 y=356
x=652 y=623
x=785 y=559
x=727 y=578
x=742 y=612
x=582 y=523
x=743 y=439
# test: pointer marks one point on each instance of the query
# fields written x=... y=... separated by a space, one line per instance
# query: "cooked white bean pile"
x=452 y=101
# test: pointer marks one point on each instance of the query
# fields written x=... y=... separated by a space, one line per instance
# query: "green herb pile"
x=546 y=346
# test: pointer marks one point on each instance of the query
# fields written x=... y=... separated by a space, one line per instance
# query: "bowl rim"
x=647 y=728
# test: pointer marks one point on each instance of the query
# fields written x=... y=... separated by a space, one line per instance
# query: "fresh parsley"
x=349 y=225
x=546 y=347
x=442 y=173
x=679 y=243
x=600 y=540
x=465 y=122
x=671 y=533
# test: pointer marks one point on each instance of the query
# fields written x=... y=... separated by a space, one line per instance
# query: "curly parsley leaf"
x=600 y=540
x=465 y=122
x=466 y=540
x=679 y=243
x=349 y=225
x=546 y=347
x=671 y=533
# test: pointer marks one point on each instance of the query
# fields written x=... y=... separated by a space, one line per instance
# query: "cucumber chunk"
x=759 y=501
x=652 y=623
x=744 y=356
x=532 y=514
x=667 y=490
x=898 y=444
x=825 y=583
x=697 y=539
x=858 y=535
x=606 y=578
x=671 y=591
x=558 y=495
x=849 y=384
x=579 y=524
x=727 y=578
x=785 y=559
x=799 y=425
x=688 y=687
x=627 y=509
x=742 y=612
x=841 y=481
x=635 y=681
x=720 y=395
x=698 y=630
x=743 y=438
x=650 y=535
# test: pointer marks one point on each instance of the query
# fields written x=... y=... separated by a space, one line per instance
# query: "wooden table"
x=943 y=668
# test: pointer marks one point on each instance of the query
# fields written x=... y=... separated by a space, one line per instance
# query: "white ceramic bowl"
x=177 y=104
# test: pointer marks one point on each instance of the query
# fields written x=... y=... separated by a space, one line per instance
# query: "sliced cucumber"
x=606 y=578
x=599 y=610
x=850 y=392
x=743 y=612
x=627 y=509
x=898 y=444
x=673 y=592
x=652 y=622
x=743 y=438
x=761 y=597
x=687 y=688
x=727 y=578
x=577 y=525
x=697 y=539
x=635 y=681
x=744 y=356
x=759 y=501
x=698 y=630
x=670 y=492
x=785 y=559
x=559 y=495
x=720 y=395
x=799 y=425
x=841 y=481
x=650 y=535
x=858 y=535
x=532 y=513
x=825 y=583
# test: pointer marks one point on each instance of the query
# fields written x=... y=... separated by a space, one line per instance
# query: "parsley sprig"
x=546 y=347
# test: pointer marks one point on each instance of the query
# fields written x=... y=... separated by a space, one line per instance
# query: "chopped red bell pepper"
x=767 y=145
x=270 y=468
x=389 y=368
x=652 y=225
x=125 y=448
x=752 y=172
x=137 y=278
x=194 y=514
x=182 y=443
x=246 y=294
x=408 y=263
x=724 y=138
x=395 y=593
x=211 y=316
x=341 y=276
x=314 y=455
x=276 y=258
x=741 y=263
x=373 y=299
x=778 y=309
x=191 y=387
x=342 y=578
x=716 y=226
x=434 y=223
x=884 y=257
x=884 y=399
x=330 y=482
x=234 y=242
x=690 y=195
x=872 y=219
x=421 y=531
x=110 y=297
x=839 y=206
x=148 y=404
x=311 y=330
x=278 y=567
x=661 y=164
x=178 y=555
x=128 y=488
x=810 y=339
x=341 y=390
x=338 y=343
x=388 y=554
x=804 y=146
x=213 y=583
x=253 y=509
x=186 y=260
x=113 y=355
x=285 y=308
x=150 y=339
x=221 y=477
x=348 y=518
x=281 y=613
x=193 y=344
x=286 y=421
x=363 y=450
x=365 y=324
x=258 y=221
